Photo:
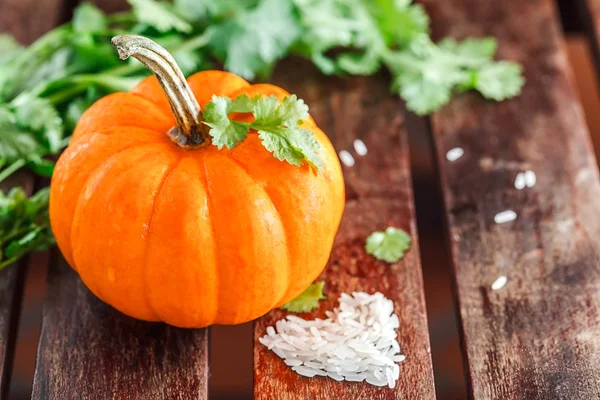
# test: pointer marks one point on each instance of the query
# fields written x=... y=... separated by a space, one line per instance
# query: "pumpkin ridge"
x=92 y=172
x=95 y=288
x=209 y=202
x=222 y=260
x=166 y=113
x=95 y=116
x=159 y=189
x=285 y=229
x=105 y=131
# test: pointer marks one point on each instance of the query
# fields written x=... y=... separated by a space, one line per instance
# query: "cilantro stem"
x=121 y=17
x=14 y=233
x=6 y=263
x=78 y=83
x=12 y=168
x=64 y=95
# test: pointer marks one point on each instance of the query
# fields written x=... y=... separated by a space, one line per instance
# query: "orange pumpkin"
x=164 y=226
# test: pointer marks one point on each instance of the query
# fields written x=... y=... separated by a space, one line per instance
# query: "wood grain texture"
x=537 y=336
x=88 y=350
x=29 y=19
x=588 y=12
x=12 y=279
x=26 y=20
x=379 y=194
x=110 y=6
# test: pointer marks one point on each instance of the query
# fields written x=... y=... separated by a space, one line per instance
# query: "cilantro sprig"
x=308 y=300
x=395 y=34
x=277 y=124
x=24 y=224
x=389 y=245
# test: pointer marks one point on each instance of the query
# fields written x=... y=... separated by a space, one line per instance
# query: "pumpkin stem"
x=189 y=132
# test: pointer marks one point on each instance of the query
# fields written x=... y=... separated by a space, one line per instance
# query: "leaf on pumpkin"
x=277 y=123
x=224 y=131
x=308 y=300
x=388 y=246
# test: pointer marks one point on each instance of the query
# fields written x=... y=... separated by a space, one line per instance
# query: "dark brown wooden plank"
x=379 y=194
x=26 y=20
x=536 y=337
x=89 y=350
x=11 y=291
x=588 y=12
x=110 y=6
x=12 y=279
x=29 y=19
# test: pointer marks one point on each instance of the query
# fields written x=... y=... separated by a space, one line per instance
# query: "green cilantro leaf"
x=243 y=103
x=500 y=81
x=480 y=49
x=423 y=96
x=250 y=42
x=159 y=15
x=194 y=10
x=277 y=124
x=15 y=143
x=399 y=21
x=224 y=131
x=333 y=24
x=9 y=50
x=30 y=130
x=426 y=75
x=291 y=144
x=38 y=116
x=24 y=224
x=88 y=18
x=308 y=300
x=269 y=111
x=388 y=246
x=8 y=45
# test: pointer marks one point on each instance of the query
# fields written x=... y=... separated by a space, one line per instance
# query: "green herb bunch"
x=45 y=88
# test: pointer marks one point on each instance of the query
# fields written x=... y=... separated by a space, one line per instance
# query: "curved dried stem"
x=189 y=132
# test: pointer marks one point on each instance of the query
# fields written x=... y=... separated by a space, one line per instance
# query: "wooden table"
x=527 y=290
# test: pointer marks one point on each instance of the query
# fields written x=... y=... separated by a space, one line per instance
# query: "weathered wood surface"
x=29 y=19
x=26 y=20
x=110 y=6
x=589 y=19
x=12 y=279
x=536 y=337
x=89 y=350
x=379 y=194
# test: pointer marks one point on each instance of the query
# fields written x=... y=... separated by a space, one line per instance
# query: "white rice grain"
x=391 y=381
x=356 y=342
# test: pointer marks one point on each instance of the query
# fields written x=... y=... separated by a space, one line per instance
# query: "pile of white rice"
x=357 y=341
